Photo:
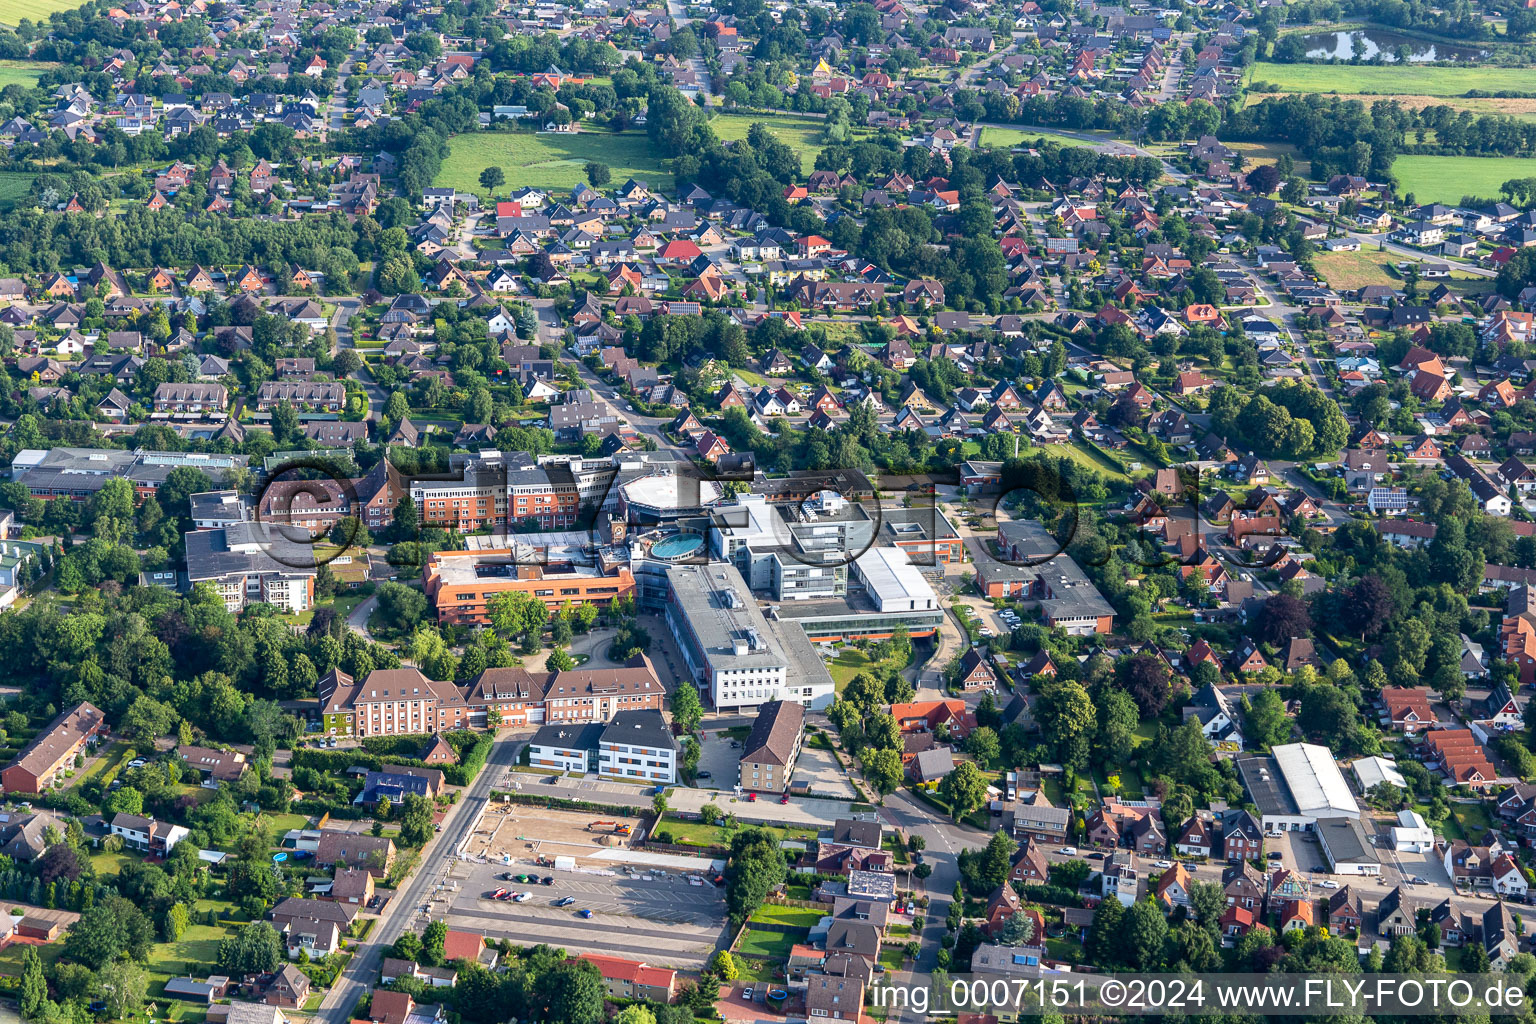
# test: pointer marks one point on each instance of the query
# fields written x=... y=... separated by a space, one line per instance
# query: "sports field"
x=1445 y=179
x=1409 y=79
x=548 y=160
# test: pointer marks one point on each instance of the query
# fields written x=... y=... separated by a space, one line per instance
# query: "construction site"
x=509 y=832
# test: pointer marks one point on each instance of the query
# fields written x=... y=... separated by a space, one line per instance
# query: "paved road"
x=402 y=911
x=377 y=397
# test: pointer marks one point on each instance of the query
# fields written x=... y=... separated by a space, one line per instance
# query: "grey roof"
x=639 y=728
x=248 y=548
x=569 y=736
x=1261 y=777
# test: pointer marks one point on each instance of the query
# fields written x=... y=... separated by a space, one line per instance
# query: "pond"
x=1340 y=45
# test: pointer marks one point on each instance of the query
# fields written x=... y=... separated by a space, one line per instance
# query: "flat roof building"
x=462 y=583
x=1297 y=786
x=1346 y=847
x=248 y=563
x=732 y=650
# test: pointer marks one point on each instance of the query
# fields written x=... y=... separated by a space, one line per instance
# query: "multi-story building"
x=769 y=754
x=324 y=395
x=517 y=698
x=191 y=397
x=638 y=745
x=390 y=702
x=462 y=583
x=249 y=563
x=78 y=473
x=731 y=650
x=53 y=749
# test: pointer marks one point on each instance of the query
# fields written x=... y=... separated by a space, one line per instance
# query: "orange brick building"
x=462 y=583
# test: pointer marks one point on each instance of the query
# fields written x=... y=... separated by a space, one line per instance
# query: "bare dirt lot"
x=517 y=832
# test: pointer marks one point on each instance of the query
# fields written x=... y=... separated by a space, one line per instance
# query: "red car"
x=784 y=799
x=751 y=798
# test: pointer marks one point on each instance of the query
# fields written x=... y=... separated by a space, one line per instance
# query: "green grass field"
x=548 y=160
x=13 y=185
x=196 y=952
x=1412 y=79
x=1007 y=138
x=1445 y=179
x=769 y=945
x=13 y=11
x=794 y=917
x=801 y=134
x=21 y=72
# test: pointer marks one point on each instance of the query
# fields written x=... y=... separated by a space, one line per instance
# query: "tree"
x=433 y=937
x=1263 y=180
x=176 y=921
x=1268 y=724
x=1103 y=945
x=995 y=861
x=1065 y=713
x=1146 y=929
x=1327 y=714
x=112 y=928
x=1117 y=721
x=1017 y=930
x=883 y=769
x=964 y=788
x=1207 y=902
x=123 y=987
x=492 y=178
x=575 y=993
x=34 y=987
x=254 y=949
x=982 y=744
x=1147 y=679
x=724 y=965
x=687 y=711
x=598 y=174
x=1281 y=618
x=755 y=869
x=416 y=827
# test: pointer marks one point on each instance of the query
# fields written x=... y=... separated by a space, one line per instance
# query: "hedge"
x=473 y=748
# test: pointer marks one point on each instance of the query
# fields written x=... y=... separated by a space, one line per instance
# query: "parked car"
x=565 y=901
x=1328 y=883
x=1068 y=851
x=703 y=775
x=584 y=913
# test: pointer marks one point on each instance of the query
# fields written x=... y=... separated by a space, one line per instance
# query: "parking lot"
x=720 y=760
x=664 y=916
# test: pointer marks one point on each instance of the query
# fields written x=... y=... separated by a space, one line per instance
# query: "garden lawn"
x=1080 y=453
x=196 y=952
x=553 y=161
x=797 y=917
x=1445 y=179
x=1007 y=138
x=10 y=956
x=1412 y=79
x=770 y=945
x=698 y=833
